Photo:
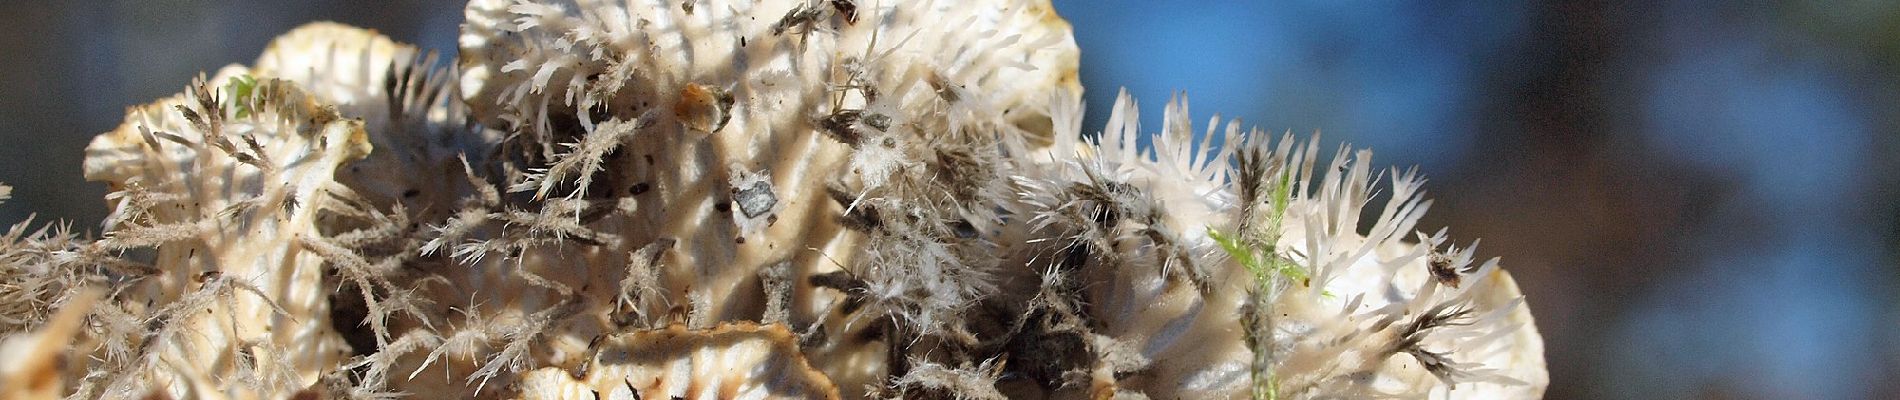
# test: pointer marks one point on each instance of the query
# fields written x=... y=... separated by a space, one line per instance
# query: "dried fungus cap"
x=1353 y=312
x=341 y=64
x=406 y=102
x=524 y=62
x=160 y=144
x=730 y=361
x=715 y=112
x=224 y=181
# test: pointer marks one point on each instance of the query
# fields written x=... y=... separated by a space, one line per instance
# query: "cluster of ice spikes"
x=746 y=199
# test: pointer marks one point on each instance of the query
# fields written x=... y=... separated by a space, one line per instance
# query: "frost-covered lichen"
x=779 y=199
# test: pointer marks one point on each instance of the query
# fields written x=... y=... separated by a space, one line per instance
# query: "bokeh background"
x=1698 y=197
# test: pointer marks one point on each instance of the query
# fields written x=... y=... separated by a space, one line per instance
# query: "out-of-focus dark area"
x=1698 y=197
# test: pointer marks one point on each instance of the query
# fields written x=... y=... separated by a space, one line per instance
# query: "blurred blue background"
x=1698 y=197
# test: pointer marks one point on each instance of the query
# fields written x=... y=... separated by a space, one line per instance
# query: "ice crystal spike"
x=745 y=199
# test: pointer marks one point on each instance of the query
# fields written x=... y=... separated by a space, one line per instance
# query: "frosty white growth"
x=710 y=199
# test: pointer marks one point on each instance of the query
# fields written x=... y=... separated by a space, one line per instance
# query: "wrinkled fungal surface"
x=730 y=361
x=736 y=199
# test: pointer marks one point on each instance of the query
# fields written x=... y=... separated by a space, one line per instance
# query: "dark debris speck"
x=755 y=200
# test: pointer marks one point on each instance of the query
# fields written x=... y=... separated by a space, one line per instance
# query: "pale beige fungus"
x=738 y=199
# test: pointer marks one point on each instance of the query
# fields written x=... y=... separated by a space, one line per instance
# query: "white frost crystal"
x=713 y=199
